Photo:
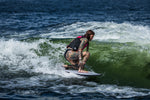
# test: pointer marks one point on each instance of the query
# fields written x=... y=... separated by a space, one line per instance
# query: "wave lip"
x=105 y=31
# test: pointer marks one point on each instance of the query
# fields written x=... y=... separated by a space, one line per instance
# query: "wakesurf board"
x=89 y=73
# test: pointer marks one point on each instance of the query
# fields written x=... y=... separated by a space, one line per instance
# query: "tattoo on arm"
x=80 y=54
x=83 y=42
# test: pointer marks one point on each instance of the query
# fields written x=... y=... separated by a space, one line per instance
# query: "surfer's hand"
x=81 y=63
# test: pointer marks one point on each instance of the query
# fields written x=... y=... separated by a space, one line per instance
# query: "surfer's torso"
x=76 y=43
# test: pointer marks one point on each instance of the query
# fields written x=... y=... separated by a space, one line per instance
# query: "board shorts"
x=71 y=55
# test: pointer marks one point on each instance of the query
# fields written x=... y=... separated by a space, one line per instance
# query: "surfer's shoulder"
x=84 y=39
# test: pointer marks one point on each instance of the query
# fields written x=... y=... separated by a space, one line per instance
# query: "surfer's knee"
x=87 y=54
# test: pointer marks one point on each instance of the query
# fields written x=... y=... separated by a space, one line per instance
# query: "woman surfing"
x=74 y=53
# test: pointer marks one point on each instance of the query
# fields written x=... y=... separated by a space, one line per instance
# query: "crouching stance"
x=74 y=53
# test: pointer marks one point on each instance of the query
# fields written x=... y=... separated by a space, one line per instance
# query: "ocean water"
x=34 y=35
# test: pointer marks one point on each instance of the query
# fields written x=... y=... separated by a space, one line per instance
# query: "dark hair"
x=88 y=33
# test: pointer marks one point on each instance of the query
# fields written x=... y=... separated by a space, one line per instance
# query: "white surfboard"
x=89 y=73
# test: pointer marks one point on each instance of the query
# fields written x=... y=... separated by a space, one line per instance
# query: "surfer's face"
x=91 y=37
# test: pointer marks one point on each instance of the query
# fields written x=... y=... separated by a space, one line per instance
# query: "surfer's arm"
x=83 y=42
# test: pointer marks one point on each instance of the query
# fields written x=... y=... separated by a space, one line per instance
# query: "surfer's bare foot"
x=82 y=71
x=66 y=66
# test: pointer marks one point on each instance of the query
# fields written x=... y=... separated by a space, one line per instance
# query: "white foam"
x=122 y=91
x=17 y=55
x=105 y=31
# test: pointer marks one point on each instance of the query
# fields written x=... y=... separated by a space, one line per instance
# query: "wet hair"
x=88 y=33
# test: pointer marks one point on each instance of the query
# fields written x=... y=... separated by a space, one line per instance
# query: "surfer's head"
x=89 y=35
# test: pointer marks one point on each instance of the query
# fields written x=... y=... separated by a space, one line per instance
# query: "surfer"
x=74 y=53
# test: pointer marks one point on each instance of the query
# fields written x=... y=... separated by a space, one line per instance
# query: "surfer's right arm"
x=82 y=44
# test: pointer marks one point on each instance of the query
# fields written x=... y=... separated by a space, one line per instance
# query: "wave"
x=105 y=31
x=36 y=62
x=16 y=56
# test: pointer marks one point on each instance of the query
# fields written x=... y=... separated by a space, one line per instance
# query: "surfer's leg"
x=72 y=57
x=86 y=55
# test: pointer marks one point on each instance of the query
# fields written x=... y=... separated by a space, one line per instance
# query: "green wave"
x=122 y=63
x=126 y=64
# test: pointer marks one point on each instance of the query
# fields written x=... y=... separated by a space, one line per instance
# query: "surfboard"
x=89 y=73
